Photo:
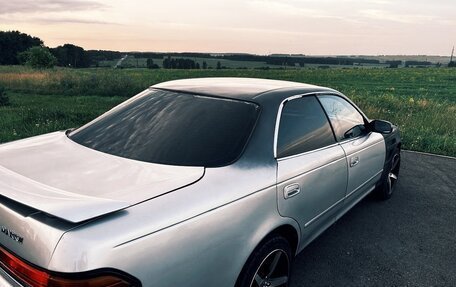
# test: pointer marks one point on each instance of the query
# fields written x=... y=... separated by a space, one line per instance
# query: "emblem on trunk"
x=11 y=234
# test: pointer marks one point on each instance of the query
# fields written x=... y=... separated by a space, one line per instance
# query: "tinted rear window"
x=173 y=128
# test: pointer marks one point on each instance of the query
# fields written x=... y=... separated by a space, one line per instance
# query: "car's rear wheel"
x=269 y=265
x=388 y=184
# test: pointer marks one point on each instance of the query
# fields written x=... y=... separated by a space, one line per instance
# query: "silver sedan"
x=200 y=182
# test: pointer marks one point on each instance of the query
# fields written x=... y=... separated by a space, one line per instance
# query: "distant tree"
x=70 y=55
x=38 y=57
x=417 y=63
x=393 y=63
x=452 y=64
x=167 y=63
x=219 y=65
x=179 y=63
x=14 y=42
x=96 y=56
x=204 y=65
x=197 y=66
x=151 y=65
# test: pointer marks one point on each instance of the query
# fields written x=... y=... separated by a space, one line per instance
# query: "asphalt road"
x=409 y=240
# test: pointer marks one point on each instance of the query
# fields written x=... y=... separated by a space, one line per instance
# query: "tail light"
x=37 y=277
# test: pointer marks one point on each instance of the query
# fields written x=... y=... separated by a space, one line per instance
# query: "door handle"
x=291 y=190
x=354 y=161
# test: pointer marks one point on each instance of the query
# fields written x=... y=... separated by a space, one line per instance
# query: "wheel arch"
x=392 y=144
x=287 y=231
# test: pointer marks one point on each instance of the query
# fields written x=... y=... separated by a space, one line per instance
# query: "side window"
x=345 y=119
x=303 y=127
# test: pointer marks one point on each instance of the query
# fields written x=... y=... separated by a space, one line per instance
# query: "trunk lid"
x=55 y=175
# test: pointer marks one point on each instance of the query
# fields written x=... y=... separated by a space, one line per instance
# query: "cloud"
x=52 y=11
x=292 y=11
x=70 y=20
x=394 y=17
x=380 y=2
x=44 y=6
x=282 y=8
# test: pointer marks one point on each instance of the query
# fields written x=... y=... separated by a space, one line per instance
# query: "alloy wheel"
x=273 y=271
x=394 y=173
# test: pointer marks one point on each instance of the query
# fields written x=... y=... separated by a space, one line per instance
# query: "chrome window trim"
x=353 y=139
x=363 y=149
x=308 y=152
x=279 y=114
x=344 y=141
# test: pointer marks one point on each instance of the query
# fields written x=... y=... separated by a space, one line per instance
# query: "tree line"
x=180 y=63
x=20 y=48
x=14 y=42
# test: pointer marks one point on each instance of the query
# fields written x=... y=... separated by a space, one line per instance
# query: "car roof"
x=250 y=89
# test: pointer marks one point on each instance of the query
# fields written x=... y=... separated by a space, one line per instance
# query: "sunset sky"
x=311 y=27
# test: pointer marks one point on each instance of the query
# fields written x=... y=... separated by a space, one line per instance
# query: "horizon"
x=371 y=28
x=233 y=53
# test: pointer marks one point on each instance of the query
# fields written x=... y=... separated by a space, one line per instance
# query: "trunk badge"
x=11 y=234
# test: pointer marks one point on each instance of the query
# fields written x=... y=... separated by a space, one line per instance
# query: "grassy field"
x=422 y=102
x=132 y=62
x=31 y=114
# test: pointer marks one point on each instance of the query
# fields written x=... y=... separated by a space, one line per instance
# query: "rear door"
x=312 y=169
x=365 y=151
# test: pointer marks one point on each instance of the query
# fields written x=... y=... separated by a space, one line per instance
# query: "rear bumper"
x=7 y=281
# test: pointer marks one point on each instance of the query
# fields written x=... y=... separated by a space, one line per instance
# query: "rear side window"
x=173 y=128
x=303 y=127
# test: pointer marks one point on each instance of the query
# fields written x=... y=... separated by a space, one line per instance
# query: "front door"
x=312 y=168
x=365 y=150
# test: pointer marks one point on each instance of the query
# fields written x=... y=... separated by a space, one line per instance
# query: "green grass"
x=422 y=102
x=31 y=114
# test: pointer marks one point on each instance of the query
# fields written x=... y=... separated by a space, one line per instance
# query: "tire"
x=269 y=265
x=388 y=183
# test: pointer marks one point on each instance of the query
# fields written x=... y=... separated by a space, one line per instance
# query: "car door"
x=365 y=150
x=312 y=169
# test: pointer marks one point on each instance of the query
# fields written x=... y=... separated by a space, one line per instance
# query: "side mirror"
x=380 y=126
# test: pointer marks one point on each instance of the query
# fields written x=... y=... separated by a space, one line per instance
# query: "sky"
x=310 y=27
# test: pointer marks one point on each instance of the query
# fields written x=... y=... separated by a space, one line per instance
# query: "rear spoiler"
x=59 y=203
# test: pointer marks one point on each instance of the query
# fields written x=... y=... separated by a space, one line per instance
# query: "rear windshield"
x=172 y=128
